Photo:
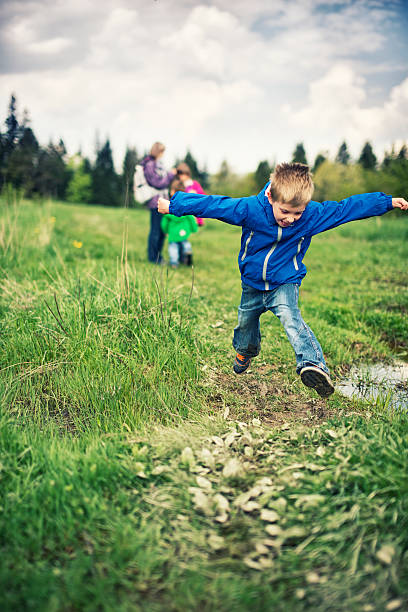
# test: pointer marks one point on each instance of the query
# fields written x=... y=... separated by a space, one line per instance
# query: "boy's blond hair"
x=291 y=184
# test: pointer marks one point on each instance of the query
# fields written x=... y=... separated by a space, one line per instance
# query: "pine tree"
x=52 y=174
x=299 y=154
x=224 y=171
x=343 y=156
x=320 y=158
x=389 y=156
x=2 y=159
x=21 y=169
x=9 y=139
x=192 y=164
x=367 y=158
x=262 y=174
x=199 y=175
x=394 y=171
x=2 y=149
x=105 y=181
x=13 y=128
x=129 y=165
x=220 y=181
x=61 y=149
x=403 y=154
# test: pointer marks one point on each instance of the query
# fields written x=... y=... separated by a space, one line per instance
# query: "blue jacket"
x=271 y=255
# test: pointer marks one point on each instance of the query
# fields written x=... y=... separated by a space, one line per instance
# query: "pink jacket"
x=195 y=187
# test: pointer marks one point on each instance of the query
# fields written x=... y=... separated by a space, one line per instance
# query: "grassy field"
x=137 y=473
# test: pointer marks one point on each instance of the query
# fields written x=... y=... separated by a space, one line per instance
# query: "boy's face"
x=285 y=214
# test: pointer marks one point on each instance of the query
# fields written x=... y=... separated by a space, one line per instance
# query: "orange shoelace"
x=241 y=357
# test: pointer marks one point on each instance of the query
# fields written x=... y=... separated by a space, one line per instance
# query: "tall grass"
x=138 y=474
x=9 y=239
x=91 y=354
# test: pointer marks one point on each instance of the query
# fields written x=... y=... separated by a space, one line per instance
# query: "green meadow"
x=138 y=473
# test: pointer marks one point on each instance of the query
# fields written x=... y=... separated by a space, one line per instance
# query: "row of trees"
x=334 y=178
x=48 y=171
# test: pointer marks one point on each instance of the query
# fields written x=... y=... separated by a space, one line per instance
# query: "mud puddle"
x=381 y=384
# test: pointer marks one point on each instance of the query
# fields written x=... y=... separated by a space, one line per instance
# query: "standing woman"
x=160 y=179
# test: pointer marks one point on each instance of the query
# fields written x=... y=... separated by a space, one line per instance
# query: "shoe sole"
x=317 y=380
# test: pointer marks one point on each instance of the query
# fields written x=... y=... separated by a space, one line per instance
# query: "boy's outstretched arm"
x=224 y=208
x=330 y=214
x=400 y=203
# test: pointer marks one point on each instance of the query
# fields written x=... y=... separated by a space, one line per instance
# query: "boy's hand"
x=163 y=206
x=400 y=203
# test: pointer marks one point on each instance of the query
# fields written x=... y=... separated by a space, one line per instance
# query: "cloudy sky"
x=243 y=80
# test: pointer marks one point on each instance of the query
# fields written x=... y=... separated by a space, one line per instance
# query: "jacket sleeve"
x=330 y=214
x=154 y=179
x=229 y=210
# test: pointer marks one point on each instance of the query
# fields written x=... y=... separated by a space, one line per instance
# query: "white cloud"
x=50 y=46
x=338 y=108
x=241 y=80
x=214 y=43
x=119 y=41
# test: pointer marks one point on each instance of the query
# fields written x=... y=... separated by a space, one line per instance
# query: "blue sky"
x=230 y=79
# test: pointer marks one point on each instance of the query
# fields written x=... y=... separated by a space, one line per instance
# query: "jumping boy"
x=277 y=227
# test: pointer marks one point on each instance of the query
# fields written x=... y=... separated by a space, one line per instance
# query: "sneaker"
x=188 y=259
x=314 y=377
x=241 y=363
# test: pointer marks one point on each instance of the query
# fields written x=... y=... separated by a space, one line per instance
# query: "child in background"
x=190 y=185
x=277 y=228
x=179 y=230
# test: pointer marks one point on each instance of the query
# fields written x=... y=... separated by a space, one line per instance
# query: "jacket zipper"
x=265 y=265
x=295 y=263
x=248 y=240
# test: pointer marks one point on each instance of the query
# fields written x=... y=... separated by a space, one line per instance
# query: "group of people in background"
x=178 y=229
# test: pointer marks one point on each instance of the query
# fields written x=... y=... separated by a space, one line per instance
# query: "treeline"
x=342 y=176
x=334 y=178
x=48 y=171
x=38 y=171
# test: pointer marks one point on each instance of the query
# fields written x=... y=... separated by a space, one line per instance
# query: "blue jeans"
x=283 y=302
x=177 y=250
x=156 y=237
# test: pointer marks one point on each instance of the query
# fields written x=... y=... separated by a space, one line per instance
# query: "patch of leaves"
x=246 y=503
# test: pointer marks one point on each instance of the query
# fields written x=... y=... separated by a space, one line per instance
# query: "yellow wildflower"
x=77 y=244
